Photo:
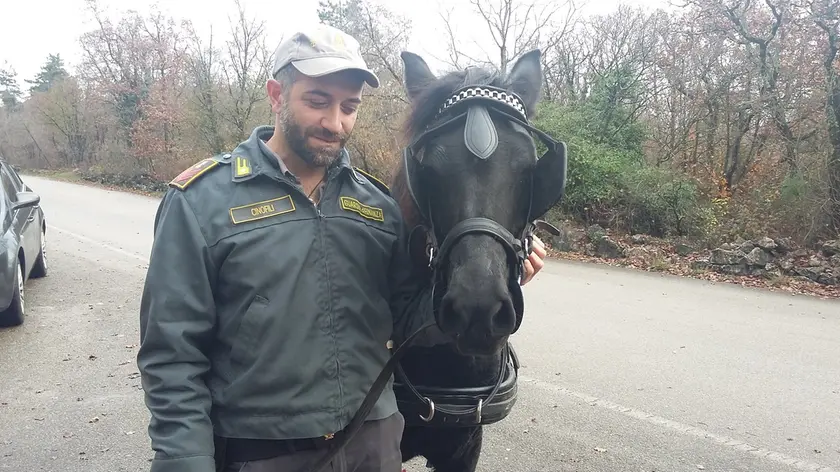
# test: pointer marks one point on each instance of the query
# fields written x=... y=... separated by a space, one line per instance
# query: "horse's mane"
x=423 y=111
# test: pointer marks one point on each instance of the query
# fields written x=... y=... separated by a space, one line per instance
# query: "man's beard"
x=296 y=138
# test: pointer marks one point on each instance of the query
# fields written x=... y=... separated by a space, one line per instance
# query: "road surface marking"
x=680 y=428
x=100 y=243
x=627 y=411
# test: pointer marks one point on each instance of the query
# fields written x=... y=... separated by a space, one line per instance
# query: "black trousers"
x=376 y=448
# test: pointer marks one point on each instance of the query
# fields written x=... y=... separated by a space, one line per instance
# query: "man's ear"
x=275 y=95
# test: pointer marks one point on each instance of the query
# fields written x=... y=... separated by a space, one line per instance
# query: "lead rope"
x=369 y=402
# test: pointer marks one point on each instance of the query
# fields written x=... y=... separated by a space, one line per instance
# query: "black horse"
x=469 y=179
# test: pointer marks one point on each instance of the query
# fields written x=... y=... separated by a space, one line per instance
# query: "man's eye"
x=317 y=104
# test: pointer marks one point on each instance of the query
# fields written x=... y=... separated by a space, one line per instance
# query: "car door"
x=32 y=230
x=22 y=219
x=34 y=223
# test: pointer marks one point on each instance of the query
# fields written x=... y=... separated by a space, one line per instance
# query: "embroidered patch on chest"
x=366 y=211
x=260 y=210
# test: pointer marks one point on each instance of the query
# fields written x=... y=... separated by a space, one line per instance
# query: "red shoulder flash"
x=190 y=174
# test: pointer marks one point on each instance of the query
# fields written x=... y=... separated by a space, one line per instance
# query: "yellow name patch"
x=260 y=210
x=369 y=212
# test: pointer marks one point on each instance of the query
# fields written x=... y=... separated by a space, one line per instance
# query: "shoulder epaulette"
x=374 y=180
x=192 y=173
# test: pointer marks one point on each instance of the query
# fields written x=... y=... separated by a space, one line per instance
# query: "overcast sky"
x=33 y=29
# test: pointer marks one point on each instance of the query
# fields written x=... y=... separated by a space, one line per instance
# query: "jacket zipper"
x=322 y=238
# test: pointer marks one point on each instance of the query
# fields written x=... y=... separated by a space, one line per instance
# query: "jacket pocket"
x=244 y=348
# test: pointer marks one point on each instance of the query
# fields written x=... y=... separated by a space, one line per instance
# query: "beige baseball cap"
x=321 y=50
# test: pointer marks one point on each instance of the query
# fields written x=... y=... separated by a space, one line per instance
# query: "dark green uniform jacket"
x=264 y=315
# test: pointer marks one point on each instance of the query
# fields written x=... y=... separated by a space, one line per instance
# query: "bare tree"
x=621 y=61
x=768 y=63
x=513 y=27
x=62 y=109
x=245 y=71
x=137 y=65
x=564 y=63
x=382 y=35
x=826 y=15
x=204 y=71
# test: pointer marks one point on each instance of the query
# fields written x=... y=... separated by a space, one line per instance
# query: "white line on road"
x=627 y=411
x=681 y=428
x=100 y=243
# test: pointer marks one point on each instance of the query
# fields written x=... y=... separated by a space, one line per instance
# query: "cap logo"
x=339 y=41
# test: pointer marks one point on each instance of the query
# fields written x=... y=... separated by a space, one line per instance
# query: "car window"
x=9 y=185
x=5 y=216
x=3 y=200
x=15 y=178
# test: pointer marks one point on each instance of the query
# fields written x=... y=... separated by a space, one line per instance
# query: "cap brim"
x=321 y=66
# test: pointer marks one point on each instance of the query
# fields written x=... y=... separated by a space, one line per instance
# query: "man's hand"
x=534 y=263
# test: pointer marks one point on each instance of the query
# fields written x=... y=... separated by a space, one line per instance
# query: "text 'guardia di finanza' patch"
x=369 y=212
x=260 y=210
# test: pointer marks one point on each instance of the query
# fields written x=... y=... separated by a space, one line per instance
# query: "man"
x=276 y=278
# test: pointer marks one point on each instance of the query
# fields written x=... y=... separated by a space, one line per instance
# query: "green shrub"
x=660 y=202
x=595 y=170
x=613 y=186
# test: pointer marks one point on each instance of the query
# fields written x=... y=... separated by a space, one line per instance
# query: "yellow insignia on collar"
x=243 y=167
x=190 y=174
x=366 y=211
x=260 y=210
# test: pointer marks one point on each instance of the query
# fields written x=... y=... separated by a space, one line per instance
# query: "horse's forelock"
x=425 y=107
x=423 y=111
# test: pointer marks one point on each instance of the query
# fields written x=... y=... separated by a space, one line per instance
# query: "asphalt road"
x=622 y=370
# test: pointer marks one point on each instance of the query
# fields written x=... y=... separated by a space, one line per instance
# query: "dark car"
x=22 y=243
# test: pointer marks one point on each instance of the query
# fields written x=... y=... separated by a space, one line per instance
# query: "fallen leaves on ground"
x=664 y=259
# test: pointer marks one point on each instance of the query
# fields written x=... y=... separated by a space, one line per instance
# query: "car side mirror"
x=26 y=199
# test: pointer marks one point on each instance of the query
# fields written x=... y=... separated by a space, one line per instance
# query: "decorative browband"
x=502 y=96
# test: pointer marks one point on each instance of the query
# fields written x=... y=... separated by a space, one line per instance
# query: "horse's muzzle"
x=479 y=312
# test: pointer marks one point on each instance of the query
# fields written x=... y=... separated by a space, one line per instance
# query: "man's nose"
x=332 y=121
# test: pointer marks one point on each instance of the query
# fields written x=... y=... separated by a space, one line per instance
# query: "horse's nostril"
x=504 y=319
x=450 y=320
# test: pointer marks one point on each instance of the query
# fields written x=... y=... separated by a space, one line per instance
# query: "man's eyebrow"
x=323 y=94
x=320 y=93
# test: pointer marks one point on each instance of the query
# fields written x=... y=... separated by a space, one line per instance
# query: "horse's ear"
x=526 y=79
x=416 y=74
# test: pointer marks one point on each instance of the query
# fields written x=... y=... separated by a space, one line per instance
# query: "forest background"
x=696 y=135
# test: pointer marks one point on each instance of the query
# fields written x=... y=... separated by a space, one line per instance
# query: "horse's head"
x=476 y=183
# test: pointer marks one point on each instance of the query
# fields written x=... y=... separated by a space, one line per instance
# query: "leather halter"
x=463 y=407
x=481 y=138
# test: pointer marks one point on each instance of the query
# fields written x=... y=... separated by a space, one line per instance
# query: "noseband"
x=474 y=105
